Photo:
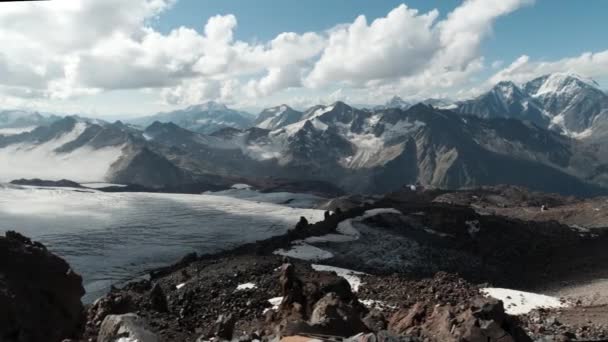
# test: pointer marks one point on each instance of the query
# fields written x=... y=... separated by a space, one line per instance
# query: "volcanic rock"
x=39 y=293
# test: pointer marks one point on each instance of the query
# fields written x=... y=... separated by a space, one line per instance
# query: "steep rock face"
x=506 y=100
x=39 y=293
x=277 y=117
x=575 y=102
x=144 y=167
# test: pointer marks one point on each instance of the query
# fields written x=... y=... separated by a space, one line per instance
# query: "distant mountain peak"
x=394 y=102
x=208 y=106
x=560 y=83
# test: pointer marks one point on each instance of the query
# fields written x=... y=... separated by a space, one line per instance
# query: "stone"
x=127 y=327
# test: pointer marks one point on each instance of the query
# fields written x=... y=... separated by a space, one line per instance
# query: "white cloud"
x=65 y=49
x=589 y=64
x=464 y=29
x=399 y=44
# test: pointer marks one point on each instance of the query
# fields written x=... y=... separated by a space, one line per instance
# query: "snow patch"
x=519 y=302
x=246 y=286
x=275 y=302
x=240 y=186
x=179 y=286
x=377 y=304
x=352 y=277
x=304 y=251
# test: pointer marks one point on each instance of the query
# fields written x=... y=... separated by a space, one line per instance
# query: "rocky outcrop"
x=323 y=306
x=39 y=293
x=64 y=183
x=483 y=321
x=127 y=327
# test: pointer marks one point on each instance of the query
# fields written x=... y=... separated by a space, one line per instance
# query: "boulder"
x=484 y=321
x=331 y=315
x=40 y=295
x=127 y=327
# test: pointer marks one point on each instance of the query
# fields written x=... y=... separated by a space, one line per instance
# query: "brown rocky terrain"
x=426 y=255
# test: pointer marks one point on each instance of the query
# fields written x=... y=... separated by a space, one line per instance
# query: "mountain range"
x=549 y=134
x=204 y=118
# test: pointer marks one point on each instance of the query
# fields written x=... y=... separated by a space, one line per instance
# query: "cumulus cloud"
x=65 y=49
x=397 y=45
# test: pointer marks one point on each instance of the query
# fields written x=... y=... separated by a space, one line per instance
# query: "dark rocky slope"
x=39 y=293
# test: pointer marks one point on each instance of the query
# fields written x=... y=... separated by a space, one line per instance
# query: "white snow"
x=17 y=130
x=378 y=211
x=294 y=128
x=346 y=227
x=372 y=150
x=246 y=286
x=583 y=134
x=66 y=203
x=558 y=83
x=304 y=251
x=275 y=302
x=179 y=286
x=380 y=305
x=240 y=186
x=320 y=112
x=290 y=199
x=519 y=302
x=147 y=137
x=351 y=276
x=266 y=124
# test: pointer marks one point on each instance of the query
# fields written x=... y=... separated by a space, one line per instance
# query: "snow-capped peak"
x=557 y=83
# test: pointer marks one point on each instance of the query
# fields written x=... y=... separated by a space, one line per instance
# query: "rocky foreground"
x=427 y=256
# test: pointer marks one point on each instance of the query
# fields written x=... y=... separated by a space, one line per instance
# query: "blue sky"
x=548 y=30
x=113 y=57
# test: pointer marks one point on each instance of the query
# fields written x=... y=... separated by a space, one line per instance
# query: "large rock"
x=324 y=305
x=128 y=327
x=39 y=293
x=484 y=321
